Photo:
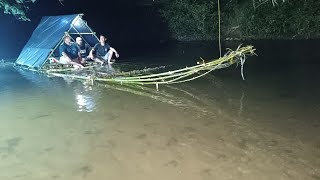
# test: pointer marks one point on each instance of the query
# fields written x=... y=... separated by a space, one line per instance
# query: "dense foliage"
x=290 y=20
x=188 y=20
x=197 y=19
x=16 y=7
x=247 y=19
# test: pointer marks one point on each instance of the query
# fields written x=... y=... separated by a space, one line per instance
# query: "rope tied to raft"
x=242 y=61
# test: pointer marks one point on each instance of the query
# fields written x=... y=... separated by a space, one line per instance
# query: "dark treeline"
x=241 y=19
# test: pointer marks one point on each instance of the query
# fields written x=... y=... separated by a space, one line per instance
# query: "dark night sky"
x=126 y=23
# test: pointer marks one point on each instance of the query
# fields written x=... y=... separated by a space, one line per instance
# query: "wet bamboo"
x=171 y=77
x=229 y=57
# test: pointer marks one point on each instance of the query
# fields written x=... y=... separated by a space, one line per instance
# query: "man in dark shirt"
x=69 y=53
x=83 y=47
x=103 y=51
x=85 y=50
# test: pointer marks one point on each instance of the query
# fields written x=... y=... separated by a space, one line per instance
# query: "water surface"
x=216 y=127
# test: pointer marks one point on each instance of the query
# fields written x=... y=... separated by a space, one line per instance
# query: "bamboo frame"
x=67 y=32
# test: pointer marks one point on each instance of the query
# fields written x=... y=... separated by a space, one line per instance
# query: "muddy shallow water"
x=217 y=127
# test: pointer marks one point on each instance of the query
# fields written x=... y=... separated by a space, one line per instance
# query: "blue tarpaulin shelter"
x=46 y=38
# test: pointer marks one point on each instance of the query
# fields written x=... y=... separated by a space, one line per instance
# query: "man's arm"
x=70 y=60
x=79 y=54
x=66 y=56
x=91 y=54
x=91 y=51
x=115 y=52
x=80 y=58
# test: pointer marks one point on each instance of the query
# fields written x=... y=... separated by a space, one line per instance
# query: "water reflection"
x=37 y=78
x=85 y=98
x=84 y=95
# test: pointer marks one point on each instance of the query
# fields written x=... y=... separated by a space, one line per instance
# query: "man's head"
x=79 y=40
x=102 y=39
x=67 y=39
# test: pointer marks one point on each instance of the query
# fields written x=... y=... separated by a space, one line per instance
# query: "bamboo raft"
x=170 y=77
x=146 y=76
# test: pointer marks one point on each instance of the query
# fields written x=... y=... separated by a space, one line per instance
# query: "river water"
x=217 y=127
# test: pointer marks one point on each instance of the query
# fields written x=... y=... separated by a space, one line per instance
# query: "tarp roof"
x=48 y=35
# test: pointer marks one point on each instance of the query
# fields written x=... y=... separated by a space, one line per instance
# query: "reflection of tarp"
x=37 y=78
x=49 y=34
